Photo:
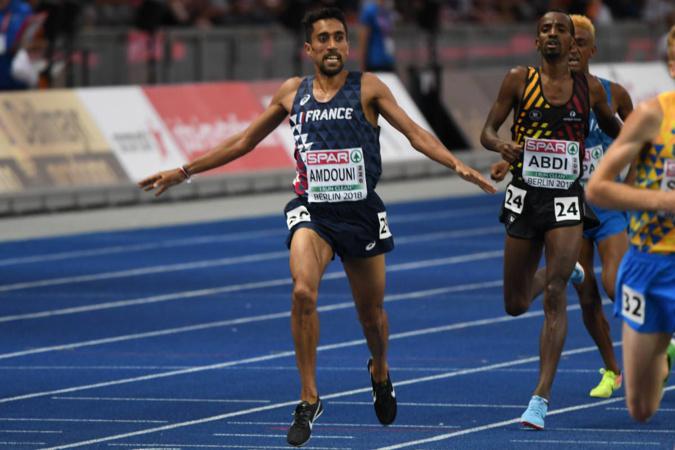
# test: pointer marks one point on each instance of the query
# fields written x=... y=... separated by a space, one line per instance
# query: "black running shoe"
x=384 y=398
x=304 y=417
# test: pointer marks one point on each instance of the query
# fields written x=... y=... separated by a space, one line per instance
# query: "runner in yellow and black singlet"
x=543 y=205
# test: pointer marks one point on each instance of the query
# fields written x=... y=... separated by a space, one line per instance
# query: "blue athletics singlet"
x=337 y=151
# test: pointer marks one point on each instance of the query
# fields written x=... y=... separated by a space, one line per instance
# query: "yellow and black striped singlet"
x=539 y=119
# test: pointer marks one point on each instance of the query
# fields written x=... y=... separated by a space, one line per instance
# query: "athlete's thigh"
x=611 y=250
x=310 y=255
x=643 y=355
x=563 y=245
x=521 y=259
x=367 y=279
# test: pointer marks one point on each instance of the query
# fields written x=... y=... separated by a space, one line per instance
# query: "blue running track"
x=178 y=338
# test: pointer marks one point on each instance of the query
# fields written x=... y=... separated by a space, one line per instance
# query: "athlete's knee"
x=640 y=408
x=516 y=306
x=555 y=287
x=304 y=298
x=371 y=316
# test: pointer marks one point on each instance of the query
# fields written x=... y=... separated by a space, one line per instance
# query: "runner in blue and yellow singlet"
x=544 y=203
x=334 y=118
x=646 y=279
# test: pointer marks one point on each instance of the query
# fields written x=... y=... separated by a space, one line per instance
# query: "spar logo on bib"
x=336 y=175
x=551 y=163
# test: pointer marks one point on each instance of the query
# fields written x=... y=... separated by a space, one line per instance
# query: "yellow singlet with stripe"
x=654 y=232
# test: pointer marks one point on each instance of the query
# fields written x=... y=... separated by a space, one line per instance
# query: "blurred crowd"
x=43 y=31
x=209 y=13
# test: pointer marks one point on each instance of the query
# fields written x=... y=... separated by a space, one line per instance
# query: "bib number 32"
x=566 y=208
x=632 y=305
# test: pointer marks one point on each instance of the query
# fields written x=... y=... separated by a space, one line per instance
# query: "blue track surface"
x=178 y=337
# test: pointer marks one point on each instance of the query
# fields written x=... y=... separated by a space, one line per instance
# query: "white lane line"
x=243 y=320
x=577 y=442
x=613 y=430
x=625 y=409
x=284 y=368
x=59 y=419
x=181 y=446
x=221 y=262
x=503 y=423
x=33 y=431
x=215 y=238
x=154 y=399
x=437 y=405
x=348 y=425
x=325 y=397
x=278 y=435
x=284 y=354
x=182 y=295
x=345 y=344
x=21 y=443
x=116 y=249
x=209 y=263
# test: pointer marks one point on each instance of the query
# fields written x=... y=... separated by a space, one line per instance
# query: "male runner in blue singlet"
x=544 y=204
x=333 y=116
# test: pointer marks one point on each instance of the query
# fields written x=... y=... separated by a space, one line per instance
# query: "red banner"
x=200 y=116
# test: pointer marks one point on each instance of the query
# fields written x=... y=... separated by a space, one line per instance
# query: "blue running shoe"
x=533 y=417
x=578 y=274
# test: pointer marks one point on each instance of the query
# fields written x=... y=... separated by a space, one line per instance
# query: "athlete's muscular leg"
x=562 y=250
x=644 y=362
x=310 y=255
x=611 y=252
x=591 y=308
x=367 y=279
x=521 y=258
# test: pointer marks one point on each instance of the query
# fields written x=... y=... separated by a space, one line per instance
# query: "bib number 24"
x=567 y=208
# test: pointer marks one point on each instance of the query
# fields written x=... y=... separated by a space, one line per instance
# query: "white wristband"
x=186 y=174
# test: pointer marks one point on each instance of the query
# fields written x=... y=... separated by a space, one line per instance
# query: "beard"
x=331 y=71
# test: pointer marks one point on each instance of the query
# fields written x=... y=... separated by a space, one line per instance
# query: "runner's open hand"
x=162 y=181
x=499 y=170
x=510 y=151
x=473 y=176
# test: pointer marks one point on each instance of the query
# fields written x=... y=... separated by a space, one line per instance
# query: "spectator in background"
x=15 y=67
x=376 y=43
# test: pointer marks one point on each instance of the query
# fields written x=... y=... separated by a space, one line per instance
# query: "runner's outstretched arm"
x=230 y=149
x=420 y=139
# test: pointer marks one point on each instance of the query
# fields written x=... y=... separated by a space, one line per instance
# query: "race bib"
x=592 y=158
x=514 y=199
x=3 y=44
x=297 y=215
x=335 y=175
x=550 y=163
x=632 y=305
x=668 y=181
x=566 y=208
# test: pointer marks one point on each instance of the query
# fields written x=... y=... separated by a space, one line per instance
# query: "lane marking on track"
x=287 y=281
x=243 y=412
x=503 y=423
x=214 y=238
x=221 y=262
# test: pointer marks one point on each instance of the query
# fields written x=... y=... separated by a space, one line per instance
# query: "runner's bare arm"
x=640 y=128
x=624 y=104
x=232 y=147
x=606 y=117
x=507 y=100
x=383 y=101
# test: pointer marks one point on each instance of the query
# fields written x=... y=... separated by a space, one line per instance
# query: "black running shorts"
x=528 y=213
x=353 y=229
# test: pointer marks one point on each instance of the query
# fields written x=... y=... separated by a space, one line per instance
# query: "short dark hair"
x=559 y=11
x=321 y=14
